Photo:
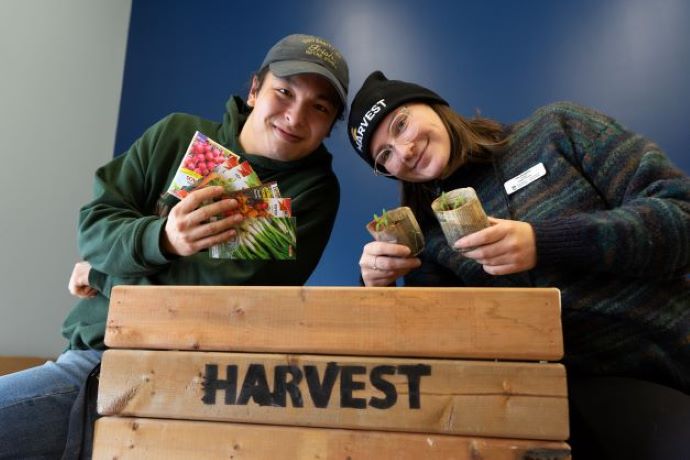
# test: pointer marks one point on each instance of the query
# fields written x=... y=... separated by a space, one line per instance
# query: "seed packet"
x=263 y=207
x=267 y=231
x=238 y=177
x=202 y=159
x=260 y=238
x=266 y=190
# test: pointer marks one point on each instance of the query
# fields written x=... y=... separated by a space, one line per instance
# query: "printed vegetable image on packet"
x=263 y=207
x=238 y=177
x=260 y=238
x=199 y=164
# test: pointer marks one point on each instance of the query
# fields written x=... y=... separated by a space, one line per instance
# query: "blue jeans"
x=35 y=405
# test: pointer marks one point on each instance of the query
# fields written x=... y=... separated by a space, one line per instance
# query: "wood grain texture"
x=475 y=398
x=10 y=364
x=150 y=439
x=502 y=323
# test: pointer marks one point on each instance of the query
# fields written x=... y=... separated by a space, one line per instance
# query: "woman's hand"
x=78 y=284
x=189 y=228
x=383 y=263
x=505 y=247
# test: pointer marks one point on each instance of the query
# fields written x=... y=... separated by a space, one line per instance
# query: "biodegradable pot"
x=462 y=220
x=401 y=228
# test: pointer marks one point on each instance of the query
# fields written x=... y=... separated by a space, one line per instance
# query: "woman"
x=576 y=202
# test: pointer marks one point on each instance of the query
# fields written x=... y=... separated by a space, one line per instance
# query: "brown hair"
x=471 y=140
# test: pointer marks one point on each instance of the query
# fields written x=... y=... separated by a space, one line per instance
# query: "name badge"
x=525 y=178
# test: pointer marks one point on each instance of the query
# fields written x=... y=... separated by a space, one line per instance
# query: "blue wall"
x=628 y=58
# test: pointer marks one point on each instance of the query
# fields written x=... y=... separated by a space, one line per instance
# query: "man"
x=124 y=237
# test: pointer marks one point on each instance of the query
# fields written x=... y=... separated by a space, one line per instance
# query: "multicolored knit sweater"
x=612 y=224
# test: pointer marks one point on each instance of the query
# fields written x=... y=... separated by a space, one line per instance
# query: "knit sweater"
x=611 y=219
x=120 y=231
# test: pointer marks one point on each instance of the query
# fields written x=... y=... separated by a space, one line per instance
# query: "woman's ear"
x=253 y=92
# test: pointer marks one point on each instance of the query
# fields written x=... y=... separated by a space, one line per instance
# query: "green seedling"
x=381 y=222
x=448 y=204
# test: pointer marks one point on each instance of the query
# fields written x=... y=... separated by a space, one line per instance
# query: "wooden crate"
x=293 y=372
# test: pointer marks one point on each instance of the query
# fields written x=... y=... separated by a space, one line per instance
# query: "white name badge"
x=525 y=178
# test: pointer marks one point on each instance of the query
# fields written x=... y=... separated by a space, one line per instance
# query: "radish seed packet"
x=202 y=158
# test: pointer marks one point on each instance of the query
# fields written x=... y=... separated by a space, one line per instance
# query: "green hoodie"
x=119 y=230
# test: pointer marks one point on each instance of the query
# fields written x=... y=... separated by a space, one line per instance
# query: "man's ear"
x=253 y=92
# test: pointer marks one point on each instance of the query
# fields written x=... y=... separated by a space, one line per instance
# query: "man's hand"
x=383 y=263
x=189 y=228
x=78 y=284
x=505 y=247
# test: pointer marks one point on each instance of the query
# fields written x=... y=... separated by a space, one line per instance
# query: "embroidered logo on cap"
x=323 y=51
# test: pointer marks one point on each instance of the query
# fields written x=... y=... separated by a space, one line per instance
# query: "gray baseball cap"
x=299 y=53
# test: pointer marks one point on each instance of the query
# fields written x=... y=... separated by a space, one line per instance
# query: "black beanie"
x=377 y=97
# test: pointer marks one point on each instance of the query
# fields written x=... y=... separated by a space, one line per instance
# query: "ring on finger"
x=373 y=266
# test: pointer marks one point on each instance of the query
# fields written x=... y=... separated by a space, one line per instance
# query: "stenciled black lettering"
x=414 y=375
x=320 y=392
x=383 y=385
x=281 y=386
x=347 y=386
x=255 y=386
x=212 y=384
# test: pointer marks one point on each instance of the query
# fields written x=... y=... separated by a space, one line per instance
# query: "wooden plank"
x=476 y=398
x=503 y=323
x=10 y=364
x=150 y=439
